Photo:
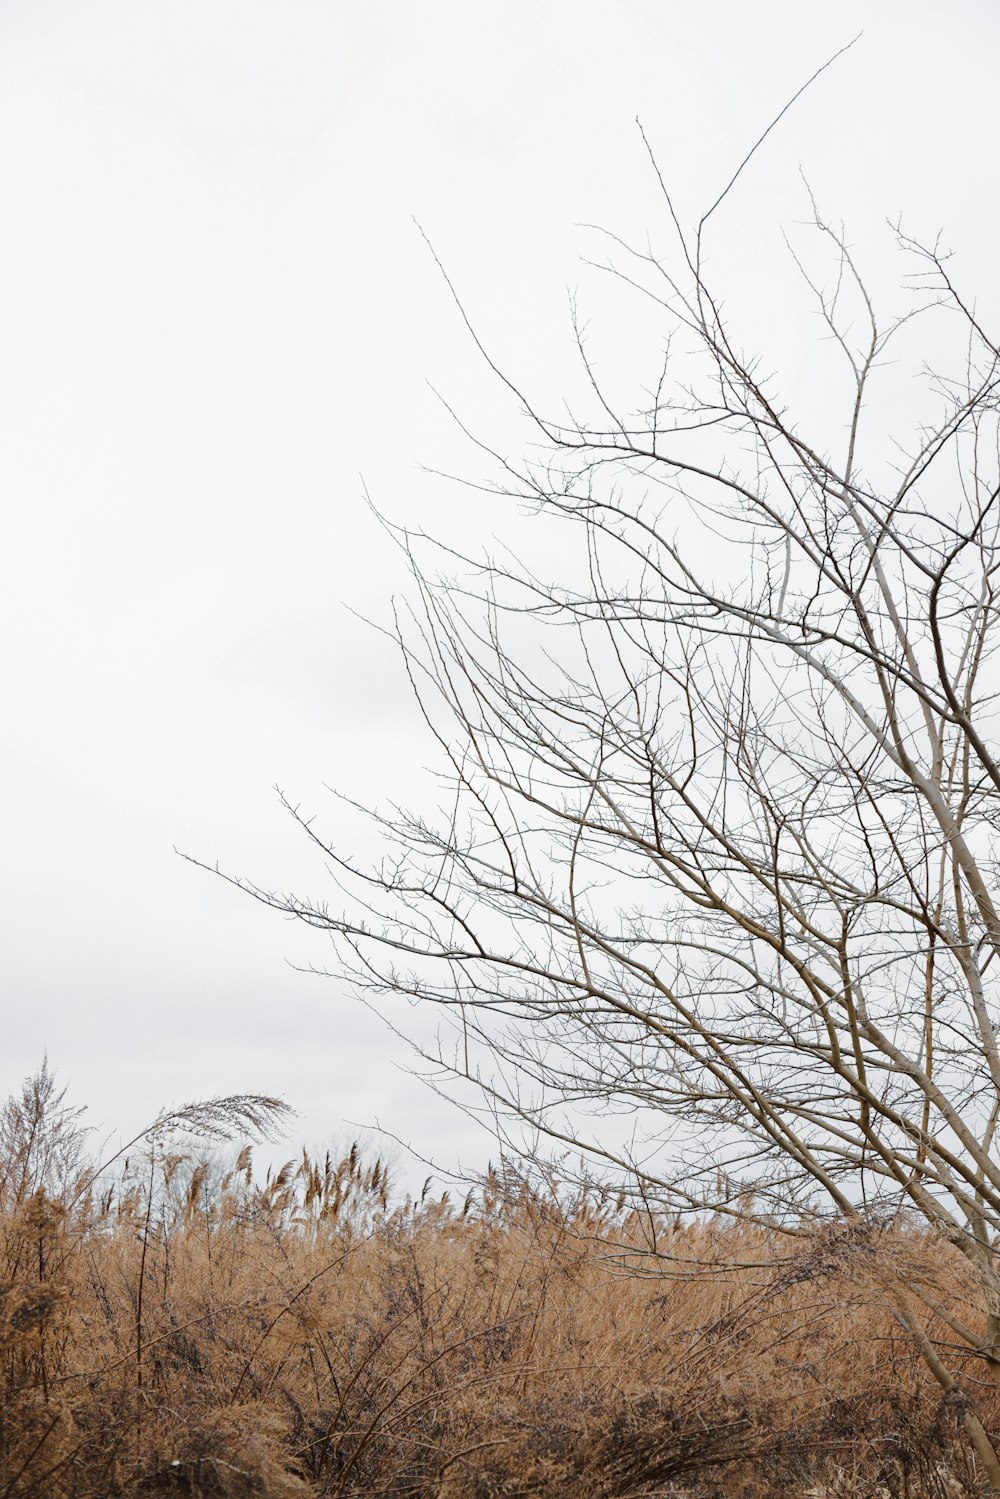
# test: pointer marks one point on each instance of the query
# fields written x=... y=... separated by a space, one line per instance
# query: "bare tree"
x=723 y=800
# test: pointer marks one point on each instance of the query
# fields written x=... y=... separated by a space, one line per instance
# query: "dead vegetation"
x=183 y=1328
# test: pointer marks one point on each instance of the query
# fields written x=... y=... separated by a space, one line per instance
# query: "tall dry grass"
x=186 y=1329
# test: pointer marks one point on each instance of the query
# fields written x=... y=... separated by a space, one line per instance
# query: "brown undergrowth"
x=185 y=1329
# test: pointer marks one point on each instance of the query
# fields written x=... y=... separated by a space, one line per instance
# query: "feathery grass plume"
x=42 y=1141
x=230 y=1118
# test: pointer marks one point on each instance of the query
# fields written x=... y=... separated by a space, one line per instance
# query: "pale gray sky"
x=216 y=313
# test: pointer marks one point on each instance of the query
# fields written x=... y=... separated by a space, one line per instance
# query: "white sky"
x=215 y=314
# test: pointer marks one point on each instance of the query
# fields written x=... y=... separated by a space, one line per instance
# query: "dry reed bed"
x=193 y=1332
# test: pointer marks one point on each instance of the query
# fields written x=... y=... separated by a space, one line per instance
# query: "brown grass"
x=195 y=1332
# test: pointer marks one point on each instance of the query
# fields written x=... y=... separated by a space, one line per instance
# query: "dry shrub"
x=195 y=1332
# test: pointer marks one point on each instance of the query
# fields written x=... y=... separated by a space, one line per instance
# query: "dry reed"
x=185 y=1329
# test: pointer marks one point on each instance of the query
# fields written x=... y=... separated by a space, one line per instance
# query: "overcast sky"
x=218 y=322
